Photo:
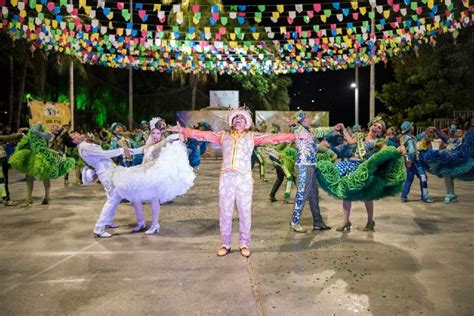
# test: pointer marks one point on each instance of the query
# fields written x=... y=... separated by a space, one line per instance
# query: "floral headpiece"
x=378 y=119
x=157 y=122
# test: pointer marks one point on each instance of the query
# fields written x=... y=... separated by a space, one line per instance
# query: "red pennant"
x=419 y=10
x=195 y=8
x=396 y=7
x=120 y=5
x=317 y=7
x=355 y=15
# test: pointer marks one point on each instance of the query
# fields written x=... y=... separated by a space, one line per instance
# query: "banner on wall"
x=49 y=113
x=224 y=98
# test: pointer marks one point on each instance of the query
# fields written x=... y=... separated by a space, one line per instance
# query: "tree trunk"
x=194 y=82
x=21 y=91
x=10 y=91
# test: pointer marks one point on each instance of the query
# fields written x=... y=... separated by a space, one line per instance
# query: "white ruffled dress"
x=164 y=178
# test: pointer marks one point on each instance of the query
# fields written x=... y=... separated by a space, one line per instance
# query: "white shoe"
x=102 y=234
x=140 y=226
x=153 y=229
x=112 y=225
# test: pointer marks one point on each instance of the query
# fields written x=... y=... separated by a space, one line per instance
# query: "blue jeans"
x=416 y=169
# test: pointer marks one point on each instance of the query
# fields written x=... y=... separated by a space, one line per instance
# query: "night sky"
x=331 y=91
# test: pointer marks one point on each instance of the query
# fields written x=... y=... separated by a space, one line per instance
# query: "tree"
x=262 y=92
x=432 y=80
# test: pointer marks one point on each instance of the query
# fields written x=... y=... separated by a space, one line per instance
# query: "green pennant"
x=261 y=8
x=32 y=4
x=414 y=5
x=198 y=15
x=304 y=41
x=188 y=36
x=63 y=3
x=306 y=19
x=71 y=26
x=338 y=39
x=304 y=34
x=258 y=15
x=450 y=6
x=41 y=16
x=126 y=14
x=378 y=26
x=224 y=20
x=175 y=29
x=237 y=30
x=233 y=8
x=247 y=44
x=316 y=28
x=241 y=36
x=414 y=17
x=365 y=23
x=424 y=1
x=371 y=15
x=327 y=13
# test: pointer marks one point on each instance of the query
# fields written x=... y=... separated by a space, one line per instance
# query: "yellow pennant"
x=354 y=5
x=430 y=4
x=157 y=7
x=232 y=36
x=386 y=14
x=82 y=4
x=195 y=20
x=22 y=13
x=275 y=15
x=280 y=8
x=39 y=8
x=110 y=16
x=256 y=35
x=14 y=2
x=323 y=18
x=111 y=26
x=120 y=31
x=87 y=9
x=339 y=30
x=55 y=25
x=363 y=10
x=144 y=27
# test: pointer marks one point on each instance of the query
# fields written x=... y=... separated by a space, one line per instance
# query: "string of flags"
x=230 y=39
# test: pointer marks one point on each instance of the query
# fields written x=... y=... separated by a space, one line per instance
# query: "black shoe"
x=321 y=226
x=273 y=199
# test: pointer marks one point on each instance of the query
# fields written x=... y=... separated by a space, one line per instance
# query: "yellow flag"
x=430 y=4
x=195 y=20
x=386 y=14
x=22 y=13
x=144 y=27
x=275 y=15
x=232 y=36
x=256 y=35
x=323 y=18
x=55 y=24
x=82 y=4
x=119 y=31
x=110 y=16
x=354 y=5
x=280 y=8
x=339 y=30
x=111 y=26
x=39 y=8
x=87 y=9
x=282 y=29
x=233 y=44
x=363 y=10
x=157 y=7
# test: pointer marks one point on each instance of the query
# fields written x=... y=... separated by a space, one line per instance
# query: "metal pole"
x=130 y=81
x=356 y=95
x=71 y=87
x=372 y=72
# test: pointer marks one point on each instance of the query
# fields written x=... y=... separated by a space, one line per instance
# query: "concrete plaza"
x=418 y=261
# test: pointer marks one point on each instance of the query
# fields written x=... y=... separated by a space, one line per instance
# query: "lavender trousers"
x=235 y=187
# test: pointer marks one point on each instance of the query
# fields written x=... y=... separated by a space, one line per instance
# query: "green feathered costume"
x=383 y=174
x=33 y=157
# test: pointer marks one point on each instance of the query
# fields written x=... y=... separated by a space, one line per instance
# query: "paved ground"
x=419 y=260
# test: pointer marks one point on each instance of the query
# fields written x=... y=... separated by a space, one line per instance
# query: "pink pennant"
x=222 y=30
x=51 y=6
x=393 y=25
x=399 y=19
x=355 y=15
x=333 y=26
x=419 y=10
x=141 y=14
x=298 y=29
x=290 y=20
x=120 y=5
x=3 y=3
x=215 y=16
x=310 y=13
x=396 y=7
x=317 y=7
x=447 y=12
x=195 y=8
x=390 y=2
x=87 y=27
x=74 y=12
x=218 y=36
x=159 y=28
x=163 y=19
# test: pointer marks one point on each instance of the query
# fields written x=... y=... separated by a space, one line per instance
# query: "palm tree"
x=186 y=7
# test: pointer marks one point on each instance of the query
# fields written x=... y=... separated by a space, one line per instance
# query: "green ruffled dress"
x=33 y=157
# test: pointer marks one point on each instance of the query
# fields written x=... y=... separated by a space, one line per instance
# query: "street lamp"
x=355 y=86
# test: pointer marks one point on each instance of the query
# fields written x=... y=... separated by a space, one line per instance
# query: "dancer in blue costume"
x=413 y=164
x=456 y=161
x=374 y=171
x=197 y=148
x=306 y=162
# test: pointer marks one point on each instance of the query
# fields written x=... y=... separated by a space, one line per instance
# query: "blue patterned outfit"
x=415 y=169
x=307 y=184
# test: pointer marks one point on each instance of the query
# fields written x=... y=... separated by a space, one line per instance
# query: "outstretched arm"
x=210 y=136
x=260 y=138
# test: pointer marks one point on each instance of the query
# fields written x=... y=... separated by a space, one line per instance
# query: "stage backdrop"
x=49 y=113
x=265 y=121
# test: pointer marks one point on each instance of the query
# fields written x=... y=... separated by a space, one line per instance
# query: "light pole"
x=355 y=86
